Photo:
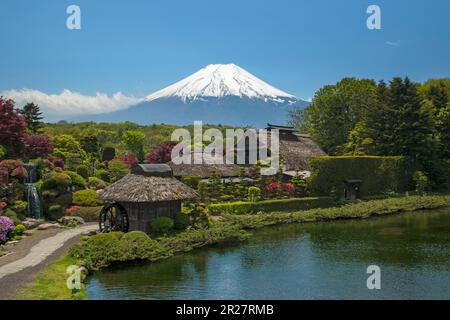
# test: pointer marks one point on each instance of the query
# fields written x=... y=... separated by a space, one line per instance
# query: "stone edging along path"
x=43 y=249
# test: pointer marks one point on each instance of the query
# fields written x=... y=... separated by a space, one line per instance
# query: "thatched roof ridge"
x=141 y=188
x=205 y=170
x=152 y=170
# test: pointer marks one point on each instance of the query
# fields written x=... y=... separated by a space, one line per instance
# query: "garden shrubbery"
x=96 y=183
x=162 y=225
x=378 y=174
x=86 y=198
x=295 y=204
x=77 y=180
x=103 y=250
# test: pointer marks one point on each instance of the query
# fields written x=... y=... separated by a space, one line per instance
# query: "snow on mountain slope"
x=216 y=94
x=218 y=81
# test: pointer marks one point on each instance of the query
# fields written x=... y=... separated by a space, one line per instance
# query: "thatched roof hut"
x=205 y=170
x=148 y=192
x=147 y=183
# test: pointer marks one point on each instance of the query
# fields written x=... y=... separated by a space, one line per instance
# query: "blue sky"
x=137 y=47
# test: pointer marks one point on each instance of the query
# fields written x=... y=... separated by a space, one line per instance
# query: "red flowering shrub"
x=12 y=170
x=130 y=160
x=71 y=211
x=162 y=154
x=12 y=126
x=272 y=189
x=37 y=146
x=277 y=189
x=288 y=189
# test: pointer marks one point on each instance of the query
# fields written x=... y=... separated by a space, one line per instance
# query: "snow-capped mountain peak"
x=221 y=80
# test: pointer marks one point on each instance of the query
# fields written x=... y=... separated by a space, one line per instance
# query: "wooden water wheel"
x=113 y=217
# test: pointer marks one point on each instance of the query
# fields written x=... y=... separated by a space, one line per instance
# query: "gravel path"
x=15 y=274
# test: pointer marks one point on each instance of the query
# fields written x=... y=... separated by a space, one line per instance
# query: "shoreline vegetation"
x=105 y=250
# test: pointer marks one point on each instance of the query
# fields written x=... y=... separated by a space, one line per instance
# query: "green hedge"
x=379 y=175
x=296 y=204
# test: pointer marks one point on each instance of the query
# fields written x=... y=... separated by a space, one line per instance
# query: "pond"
x=305 y=261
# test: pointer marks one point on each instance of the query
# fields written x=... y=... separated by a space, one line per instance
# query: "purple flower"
x=6 y=226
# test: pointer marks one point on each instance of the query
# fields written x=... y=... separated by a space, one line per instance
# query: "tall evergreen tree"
x=438 y=96
x=400 y=125
x=33 y=116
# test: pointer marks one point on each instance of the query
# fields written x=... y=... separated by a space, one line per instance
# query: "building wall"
x=140 y=215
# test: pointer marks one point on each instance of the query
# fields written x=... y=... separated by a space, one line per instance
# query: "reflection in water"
x=309 y=261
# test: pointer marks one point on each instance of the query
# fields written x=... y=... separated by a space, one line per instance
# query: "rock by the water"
x=65 y=220
x=47 y=226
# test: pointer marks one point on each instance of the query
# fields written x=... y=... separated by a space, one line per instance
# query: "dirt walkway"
x=34 y=253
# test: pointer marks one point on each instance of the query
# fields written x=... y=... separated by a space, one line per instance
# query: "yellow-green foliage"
x=295 y=204
x=86 y=198
x=378 y=174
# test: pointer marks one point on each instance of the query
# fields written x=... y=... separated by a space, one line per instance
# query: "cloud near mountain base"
x=69 y=103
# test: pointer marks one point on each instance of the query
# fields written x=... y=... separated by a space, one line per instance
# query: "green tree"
x=66 y=147
x=33 y=116
x=134 y=143
x=335 y=111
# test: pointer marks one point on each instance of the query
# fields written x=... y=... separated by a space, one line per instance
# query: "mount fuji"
x=217 y=94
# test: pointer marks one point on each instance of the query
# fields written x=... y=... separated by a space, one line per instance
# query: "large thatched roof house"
x=148 y=192
x=295 y=150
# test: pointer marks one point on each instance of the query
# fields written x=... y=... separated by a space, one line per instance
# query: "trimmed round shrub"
x=103 y=175
x=162 y=225
x=19 y=230
x=82 y=170
x=254 y=194
x=20 y=207
x=136 y=245
x=86 y=198
x=56 y=180
x=182 y=221
x=56 y=211
x=99 y=251
x=96 y=183
x=77 y=180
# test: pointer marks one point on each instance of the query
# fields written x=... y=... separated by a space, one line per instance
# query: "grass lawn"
x=50 y=283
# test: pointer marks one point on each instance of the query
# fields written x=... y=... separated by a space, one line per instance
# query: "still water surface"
x=305 y=261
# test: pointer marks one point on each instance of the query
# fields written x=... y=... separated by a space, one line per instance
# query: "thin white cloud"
x=393 y=43
x=69 y=103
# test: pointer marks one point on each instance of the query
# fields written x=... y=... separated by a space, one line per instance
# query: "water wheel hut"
x=148 y=192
